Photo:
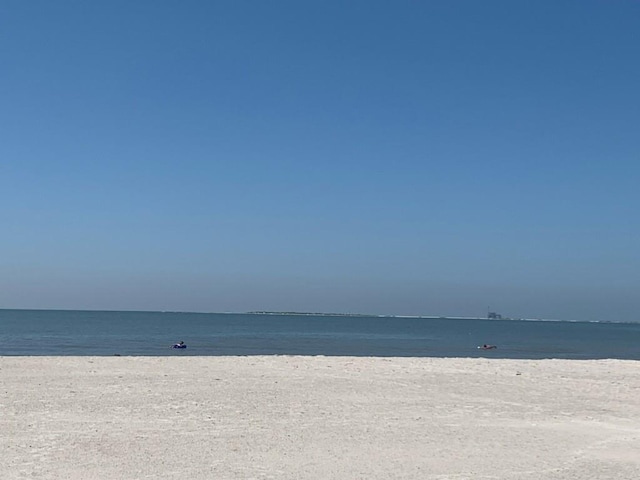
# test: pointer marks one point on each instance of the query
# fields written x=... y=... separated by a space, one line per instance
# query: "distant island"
x=490 y=315
x=322 y=314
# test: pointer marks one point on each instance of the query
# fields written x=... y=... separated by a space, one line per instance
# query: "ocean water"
x=56 y=332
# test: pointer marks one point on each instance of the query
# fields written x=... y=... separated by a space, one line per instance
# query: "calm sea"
x=49 y=332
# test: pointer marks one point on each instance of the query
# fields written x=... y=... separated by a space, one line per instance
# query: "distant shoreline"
x=318 y=314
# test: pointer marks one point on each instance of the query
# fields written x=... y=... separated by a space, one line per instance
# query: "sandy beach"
x=281 y=417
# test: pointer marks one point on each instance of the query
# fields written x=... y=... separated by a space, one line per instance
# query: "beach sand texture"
x=283 y=417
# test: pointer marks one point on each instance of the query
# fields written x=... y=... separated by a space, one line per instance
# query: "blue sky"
x=385 y=157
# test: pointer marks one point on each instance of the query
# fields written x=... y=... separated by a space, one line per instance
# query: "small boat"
x=487 y=347
x=179 y=345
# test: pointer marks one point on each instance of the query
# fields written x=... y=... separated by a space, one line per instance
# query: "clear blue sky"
x=386 y=157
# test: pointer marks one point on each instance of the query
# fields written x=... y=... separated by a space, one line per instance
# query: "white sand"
x=318 y=418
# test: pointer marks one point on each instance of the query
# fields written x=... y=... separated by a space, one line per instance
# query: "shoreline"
x=309 y=417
